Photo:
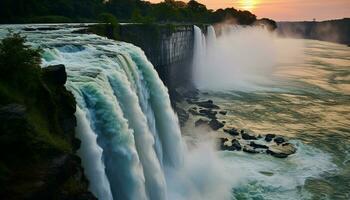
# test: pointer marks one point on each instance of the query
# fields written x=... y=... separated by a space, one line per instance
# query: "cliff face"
x=37 y=143
x=168 y=47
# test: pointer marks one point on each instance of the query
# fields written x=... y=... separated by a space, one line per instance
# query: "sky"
x=287 y=10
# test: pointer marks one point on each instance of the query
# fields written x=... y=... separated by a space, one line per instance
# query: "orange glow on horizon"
x=286 y=10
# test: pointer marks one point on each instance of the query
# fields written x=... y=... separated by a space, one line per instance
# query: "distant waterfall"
x=237 y=58
x=211 y=36
x=202 y=47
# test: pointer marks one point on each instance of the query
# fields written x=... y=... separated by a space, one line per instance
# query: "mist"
x=241 y=58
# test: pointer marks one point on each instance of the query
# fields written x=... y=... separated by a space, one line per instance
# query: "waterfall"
x=211 y=37
x=131 y=144
x=199 y=53
x=130 y=134
x=228 y=64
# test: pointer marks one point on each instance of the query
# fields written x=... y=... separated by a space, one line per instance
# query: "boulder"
x=258 y=146
x=208 y=113
x=269 y=137
x=232 y=131
x=55 y=74
x=279 y=140
x=215 y=124
x=222 y=142
x=281 y=151
x=236 y=145
x=248 y=136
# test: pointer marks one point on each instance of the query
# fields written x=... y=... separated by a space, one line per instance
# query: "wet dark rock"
x=232 y=131
x=236 y=145
x=208 y=113
x=248 y=136
x=277 y=155
x=282 y=151
x=207 y=104
x=258 y=146
x=201 y=122
x=223 y=112
x=279 y=140
x=251 y=150
x=55 y=74
x=269 y=137
x=222 y=142
x=215 y=124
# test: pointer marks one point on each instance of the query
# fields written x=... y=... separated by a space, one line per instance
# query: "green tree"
x=18 y=62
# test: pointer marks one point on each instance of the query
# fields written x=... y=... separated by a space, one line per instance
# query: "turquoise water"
x=129 y=132
x=308 y=102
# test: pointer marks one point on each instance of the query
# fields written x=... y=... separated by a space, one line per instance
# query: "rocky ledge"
x=37 y=141
x=207 y=113
x=255 y=144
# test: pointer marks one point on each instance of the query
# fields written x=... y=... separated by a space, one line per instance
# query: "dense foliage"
x=16 y=11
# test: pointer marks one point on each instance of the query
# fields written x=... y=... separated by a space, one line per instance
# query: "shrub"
x=19 y=64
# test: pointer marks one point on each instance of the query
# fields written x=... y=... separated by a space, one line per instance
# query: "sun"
x=248 y=4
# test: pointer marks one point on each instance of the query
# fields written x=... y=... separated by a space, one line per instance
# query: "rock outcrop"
x=37 y=141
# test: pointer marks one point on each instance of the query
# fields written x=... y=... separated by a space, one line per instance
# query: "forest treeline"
x=54 y=11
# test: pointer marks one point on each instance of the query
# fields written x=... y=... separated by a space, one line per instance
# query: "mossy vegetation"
x=37 y=127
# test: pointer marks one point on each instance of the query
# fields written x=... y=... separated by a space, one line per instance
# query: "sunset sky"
x=287 y=10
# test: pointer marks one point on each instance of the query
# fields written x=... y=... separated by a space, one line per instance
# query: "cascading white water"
x=126 y=101
x=211 y=37
x=131 y=142
x=239 y=58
